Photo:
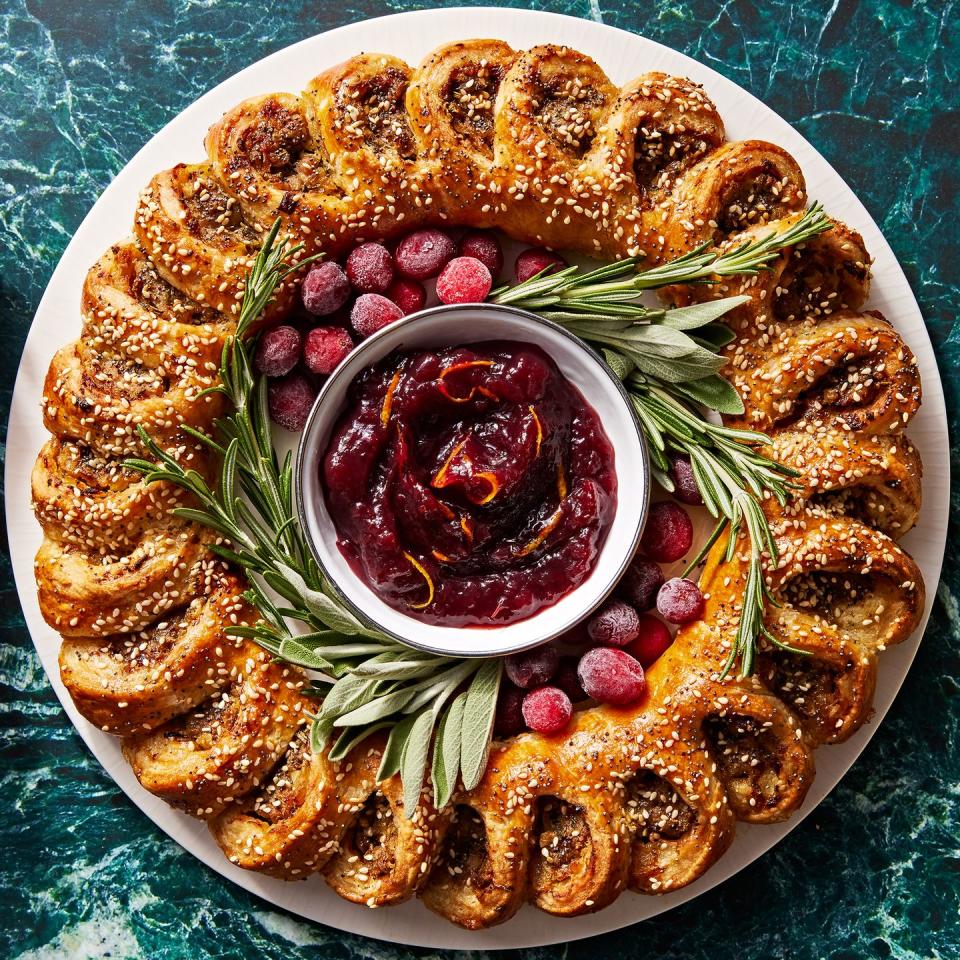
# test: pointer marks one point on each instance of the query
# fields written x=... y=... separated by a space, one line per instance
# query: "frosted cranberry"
x=290 y=400
x=668 y=534
x=611 y=676
x=547 y=710
x=325 y=347
x=529 y=263
x=680 y=601
x=615 y=623
x=532 y=667
x=464 y=280
x=508 y=719
x=684 y=482
x=640 y=584
x=408 y=295
x=371 y=312
x=653 y=638
x=568 y=681
x=423 y=253
x=484 y=246
x=278 y=351
x=325 y=289
x=370 y=268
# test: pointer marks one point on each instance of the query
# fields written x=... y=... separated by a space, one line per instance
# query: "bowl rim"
x=336 y=385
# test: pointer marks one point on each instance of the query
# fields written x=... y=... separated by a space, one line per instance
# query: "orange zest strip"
x=548 y=528
x=562 y=488
x=442 y=557
x=539 y=425
x=440 y=480
x=419 y=567
x=466 y=525
x=494 y=487
x=467 y=365
x=388 y=399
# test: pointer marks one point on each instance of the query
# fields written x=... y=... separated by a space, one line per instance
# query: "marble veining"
x=875 y=870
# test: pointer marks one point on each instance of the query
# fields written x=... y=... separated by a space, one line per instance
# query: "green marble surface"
x=875 y=870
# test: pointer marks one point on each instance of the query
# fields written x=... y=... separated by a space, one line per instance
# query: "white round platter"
x=411 y=35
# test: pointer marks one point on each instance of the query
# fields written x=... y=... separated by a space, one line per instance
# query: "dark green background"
x=875 y=871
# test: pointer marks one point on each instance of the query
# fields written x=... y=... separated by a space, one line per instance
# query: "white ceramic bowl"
x=463 y=325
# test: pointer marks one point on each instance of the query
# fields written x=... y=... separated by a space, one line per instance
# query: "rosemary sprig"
x=367 y=681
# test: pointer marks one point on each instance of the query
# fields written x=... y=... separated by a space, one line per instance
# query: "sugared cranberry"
x=508 y=719
x=531 y=668
x=547 y=710
x=680 y=601
x=371 y=312
x=325 y=289
x=464 y=280
x=278 y=351
x=325 y=347
x=653 y=638
x=668 y=534
x=532 y=261
x=684 y=482
x=408 y=295
x=423 y=253
x=484 y=246
x=640 y=584
x=616 y=623
x=290 y=400
x=568 y=681
x=611 y=676
x=370 y=268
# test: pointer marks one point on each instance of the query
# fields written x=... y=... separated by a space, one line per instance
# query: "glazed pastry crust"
x=540 y=144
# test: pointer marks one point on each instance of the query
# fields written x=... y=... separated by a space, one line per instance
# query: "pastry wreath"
x=541 y=145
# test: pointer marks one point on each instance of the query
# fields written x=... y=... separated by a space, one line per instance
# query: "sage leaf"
x=413 y=763
x=713 y=392
x=301 y=655
x=699 y=314
x=352 y=737
x=478 y=713
x=393 y=752
x=446 y=752
x=320 y=730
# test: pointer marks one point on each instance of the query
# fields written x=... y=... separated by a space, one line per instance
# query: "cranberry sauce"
x=470 y=486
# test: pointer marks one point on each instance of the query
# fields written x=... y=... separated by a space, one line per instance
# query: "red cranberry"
x=484 y=246
x=325 y=348
x=615 y=623
x=408 y=295
x=547 y=710
x=684 y=482
x=640 y=584
x=653 y=638
x=508 y=719
x=611 y=676
x=464 y=280
x=668 y=534
x=370 y=268
x=568 y=681
x=533 y=261
x=290 y=400
x=278 y=351
x=680 y=601
x=531 y=668
x=371 y=312
x=423 y=253
x=325 y=289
